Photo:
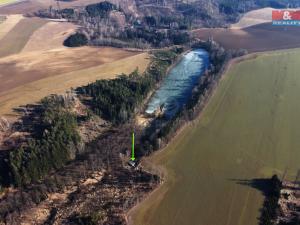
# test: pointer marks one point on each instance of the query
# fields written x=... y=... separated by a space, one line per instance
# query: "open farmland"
x=250 y=129
x=15 y=40
x=49 y=36
x=254 y=17
x=8 y=24
x=22 y=7
x=23 y=68
x=262 y=37
x=31 y=92
x=34 y=63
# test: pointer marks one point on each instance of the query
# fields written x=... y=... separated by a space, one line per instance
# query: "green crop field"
x=4 y=2
x=250 y=129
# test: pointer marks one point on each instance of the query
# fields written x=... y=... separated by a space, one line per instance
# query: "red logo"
x=285 y=15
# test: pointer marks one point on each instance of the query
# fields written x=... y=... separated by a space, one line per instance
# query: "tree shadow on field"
x=261 y=184
x=270 y=188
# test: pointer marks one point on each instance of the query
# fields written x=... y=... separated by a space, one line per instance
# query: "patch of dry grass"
x=49 y=36
x=9 y=23
x=20 y=69
x=254 y=17
x=15 y=40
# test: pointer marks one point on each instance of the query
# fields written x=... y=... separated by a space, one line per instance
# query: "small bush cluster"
x=76 y=40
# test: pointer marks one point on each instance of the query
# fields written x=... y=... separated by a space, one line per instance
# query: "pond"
x=177 y=88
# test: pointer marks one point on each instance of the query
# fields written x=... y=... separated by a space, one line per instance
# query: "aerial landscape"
x=149 y=112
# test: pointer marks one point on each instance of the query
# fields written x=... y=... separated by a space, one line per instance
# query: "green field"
x=250 y=129
x=4 y=2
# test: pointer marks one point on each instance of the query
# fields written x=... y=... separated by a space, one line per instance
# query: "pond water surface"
x=177 y=87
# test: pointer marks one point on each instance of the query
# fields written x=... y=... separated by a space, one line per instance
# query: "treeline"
x=105 y=23
x=156 y=38
x=116 y=100
x=54 y=142
x=101 y=9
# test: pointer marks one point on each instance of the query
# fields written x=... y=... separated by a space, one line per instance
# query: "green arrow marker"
x=132 y=151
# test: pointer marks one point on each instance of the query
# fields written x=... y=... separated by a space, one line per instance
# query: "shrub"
x=76 y=40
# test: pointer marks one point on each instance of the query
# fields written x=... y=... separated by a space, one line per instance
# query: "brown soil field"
x=9 y=23
x=22 y=7
x=58 y=31
x=254 y=17
x=15 y=40
x=34 y=91
x=27 y=67
x=262 y=37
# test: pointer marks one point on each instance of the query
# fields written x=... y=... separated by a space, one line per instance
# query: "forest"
x=54 y=140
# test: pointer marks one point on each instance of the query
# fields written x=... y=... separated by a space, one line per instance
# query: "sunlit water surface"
x=177 y=87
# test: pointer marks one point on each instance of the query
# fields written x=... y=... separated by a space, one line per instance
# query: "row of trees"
x=156 y=38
